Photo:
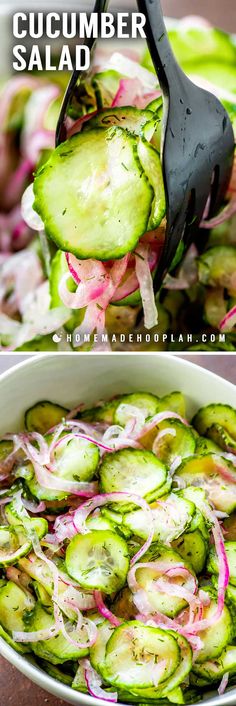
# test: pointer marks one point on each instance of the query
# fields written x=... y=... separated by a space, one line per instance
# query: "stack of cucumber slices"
x=118 y=547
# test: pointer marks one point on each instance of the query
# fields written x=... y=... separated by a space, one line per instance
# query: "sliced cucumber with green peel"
x=216 y=475
x=215 y=414
x=147 y=402
x=171 y=517
x=39 y=524
x=98 y=560
x=174 y=402
x=151 y=164
x=205 y=446
x=14 y=540
x=79 y=682
x=22 y=649
x=57 y=649
x=179 y=444
x=76 y=459
x=180 y=674
x=98 y=650
x=214 y=670
x=217 y=637
x=16 y=606
x=221 y=437
x=133 y=471
x=102 y=413
x=217 y=266
x=193 y=548
x=134 y=650
x=103 y=166
x=159 y=601
x=212 y=564
x=128 y=118
x=6 y=448
x=43 y=416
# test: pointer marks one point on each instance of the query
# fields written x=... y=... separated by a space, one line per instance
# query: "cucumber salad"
x=118 y=547
x=82 y=227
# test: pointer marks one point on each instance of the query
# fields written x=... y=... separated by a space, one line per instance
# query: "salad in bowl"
x=118 y=547
x=82 y=226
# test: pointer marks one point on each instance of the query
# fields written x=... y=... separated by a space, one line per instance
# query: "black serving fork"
x=197 y=142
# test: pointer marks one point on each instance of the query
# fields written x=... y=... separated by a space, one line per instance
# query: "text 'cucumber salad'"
x=80 y=248
x=118 y=547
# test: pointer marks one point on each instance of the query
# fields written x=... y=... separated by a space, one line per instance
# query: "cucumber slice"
x=216 y=414
x=168 y=447
x=193 y=548
x=16 y=606
x=197 y=45
x=22 y=649
x=43 y=416
x=105 y=84
x=210 y=472
x=217 y=266
x=57 y=673
x=214 y=670
x=128 y=118
x=132 y=652
x=104 y=165
x=76 y=459
x=171 y=517
x=6 y=448
x=133 y=471
x=152 y=131
x=104 y=413
x=155 y=104
x=79 y=681
x=98 y=560
x=205 y=446
x=177 y=678
x=212 y=564
x=221 y=436
x=216 y=638
x=39 y=524
x=147 y=402
x=151 y=164
x=174 y=402
x=57 y=649
x=98 y=650
x=14 y=541
x=161 y=602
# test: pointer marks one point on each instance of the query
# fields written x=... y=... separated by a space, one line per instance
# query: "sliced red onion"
x=41 y=507
x=30 y=216
x=223 y=216
x=4 y=501
x=223 y=684
x=94 y=681
x=175 y=464
x=144 y=278
x=160 y=565
x=104 y=611
x=35 y=636
x=91 y=629
x=87 y=292
x=78 y=124
x=229 y=320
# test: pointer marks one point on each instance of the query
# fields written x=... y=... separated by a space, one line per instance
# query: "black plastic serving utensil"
x=99 y=7
x=197 y=143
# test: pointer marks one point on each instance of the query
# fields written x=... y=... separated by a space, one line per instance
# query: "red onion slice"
x=104 y=611
x=93 y=681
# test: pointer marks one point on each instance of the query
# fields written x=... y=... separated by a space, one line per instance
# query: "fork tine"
x=99 y=7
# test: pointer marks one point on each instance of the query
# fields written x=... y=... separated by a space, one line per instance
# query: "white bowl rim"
x=35 y=673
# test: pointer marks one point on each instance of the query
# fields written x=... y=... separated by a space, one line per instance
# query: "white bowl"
x=69 y=380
